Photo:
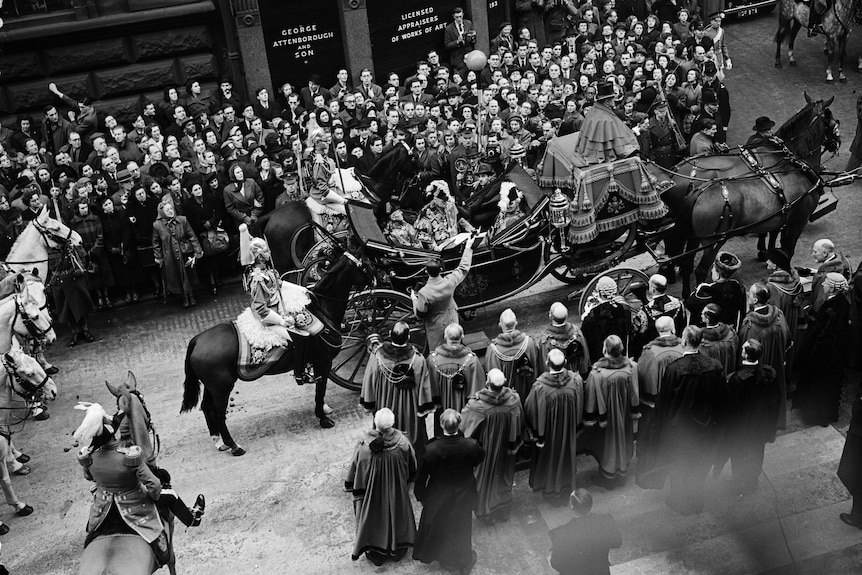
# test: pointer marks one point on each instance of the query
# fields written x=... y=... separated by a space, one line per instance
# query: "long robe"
x=767 y=325
x=720 y=342
x=850 y=468
x=517 y=356
x=435 y=301
x=383 y=387
x=607 y=318
x=446 y=487
x=821 y=361
x=691 y=404
x=555 y=412
x=382 y=467
x=611 y=395
x=785 y=293
x=837 y=264
x=604 y=136
x=569 y=339
x=755 y=395
x=656 y=356
x=496 y=420
x=456 y=374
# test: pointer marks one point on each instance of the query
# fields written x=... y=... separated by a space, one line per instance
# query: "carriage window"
x=13 y=8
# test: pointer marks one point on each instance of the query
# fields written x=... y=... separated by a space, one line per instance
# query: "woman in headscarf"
x=175 y=250
x=243 y=198
x=120 y=247
x=204 y=213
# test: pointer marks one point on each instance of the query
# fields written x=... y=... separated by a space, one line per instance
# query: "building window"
x=13 y=8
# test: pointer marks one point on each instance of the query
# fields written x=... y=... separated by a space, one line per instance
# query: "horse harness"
x=32 y=390
x=772 y=184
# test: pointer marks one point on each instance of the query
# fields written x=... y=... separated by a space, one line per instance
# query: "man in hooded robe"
x=785 y=293
x=495 y=418
x=446 y=487
x=612 y=404
x=515 y=354
x=691 y=403
x=567 y=337
x=555 y=413
x=455 y=372
x=720 y=341
x=656 y=356
x=379 y=475
x=766 y=324
x=397 y=378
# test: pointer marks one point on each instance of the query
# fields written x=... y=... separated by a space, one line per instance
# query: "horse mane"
x=388 y=159
x=331 y=277
x=801 y=135
x=28 y=229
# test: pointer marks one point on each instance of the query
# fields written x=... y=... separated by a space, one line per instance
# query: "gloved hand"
x=729 y=65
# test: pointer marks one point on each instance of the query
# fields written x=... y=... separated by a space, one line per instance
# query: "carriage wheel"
x=602 y=251
x=314 y=270
x=624 y=278
x=567 y=273
x=321 y=244
x=371 y=312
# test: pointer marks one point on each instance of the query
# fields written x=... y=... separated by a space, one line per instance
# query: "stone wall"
x=142 y=54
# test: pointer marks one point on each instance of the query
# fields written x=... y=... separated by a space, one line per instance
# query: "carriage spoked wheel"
x=371 y=312
x=319 y=257
x=607 y=246
x=624 y=277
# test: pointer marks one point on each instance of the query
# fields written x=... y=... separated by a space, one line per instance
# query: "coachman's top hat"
x=605 y=90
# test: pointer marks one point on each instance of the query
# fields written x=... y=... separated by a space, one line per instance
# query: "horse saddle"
x=259 y=348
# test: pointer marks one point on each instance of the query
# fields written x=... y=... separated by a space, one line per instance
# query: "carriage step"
x=477 y=341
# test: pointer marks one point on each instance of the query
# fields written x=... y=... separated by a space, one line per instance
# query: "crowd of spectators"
x=221 y=159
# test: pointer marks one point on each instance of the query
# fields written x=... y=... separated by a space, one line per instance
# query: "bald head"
x=508 y=320
x=825 y=244
x=384 y=419
x=400 y=333
x=558 y=313
x=496 y=379
x=664 y=325
x=453 y=333
x=556 y=359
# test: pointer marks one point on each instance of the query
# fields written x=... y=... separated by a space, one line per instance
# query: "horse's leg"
x=220 y=412
x=212 y=421
x=830 y=57
x=761 y=246
x=686 y=266
x=842 y=52
x=779 y=40
x=321 y=378
x=706 y=261
x=794 y=30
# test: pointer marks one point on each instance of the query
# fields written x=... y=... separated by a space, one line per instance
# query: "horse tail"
x=192 y=385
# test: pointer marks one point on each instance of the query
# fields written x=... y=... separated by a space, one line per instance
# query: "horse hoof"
x=778 y=65
x=842 y=79
x=326 y=423
x=793 y=63
x=761 y=256
x=237 y=451
x=327 y=410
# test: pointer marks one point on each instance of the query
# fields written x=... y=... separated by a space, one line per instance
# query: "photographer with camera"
x=459 y=38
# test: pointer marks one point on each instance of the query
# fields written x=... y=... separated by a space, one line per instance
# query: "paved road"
x=281 y=508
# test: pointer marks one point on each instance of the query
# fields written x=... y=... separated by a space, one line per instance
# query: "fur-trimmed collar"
x=559 y=379
x=456 y=351
x=510 y=338
x=393 y=353
x=495 y=398
x=666 y=341
x=383 y=440
x=786 y=282
x=561 y=332
x=764 y=316
x=717 y=332
x=612 y=363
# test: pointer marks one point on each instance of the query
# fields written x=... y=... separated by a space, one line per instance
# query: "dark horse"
x=836 y=22
x=715 y=197
x=212 y=355
x=390 y=179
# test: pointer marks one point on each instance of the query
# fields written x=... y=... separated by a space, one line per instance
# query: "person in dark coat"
x=691 y=403
x=725 y=291
x=446 y=487
x=822 y=355
x=581 y=546
x=850 y=468
x=89 y=227
x=204 y=212
x=119 y=246
x=175 y=250
x=755 y=395
x=72 y=299
x=459 y=38
x=855 y=159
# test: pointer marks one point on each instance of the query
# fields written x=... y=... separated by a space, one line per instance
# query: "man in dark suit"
x=582 y=544
x=313 y=89
x=416 y=95
x=446 y=487
x=459 y=38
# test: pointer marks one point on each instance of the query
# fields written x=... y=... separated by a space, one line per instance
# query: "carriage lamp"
x=558 y=214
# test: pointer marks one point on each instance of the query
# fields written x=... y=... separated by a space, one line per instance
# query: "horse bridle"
x=47 y=235
x=25 y=389
x=29 y=323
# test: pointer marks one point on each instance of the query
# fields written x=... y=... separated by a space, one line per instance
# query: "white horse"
x=30 y=250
